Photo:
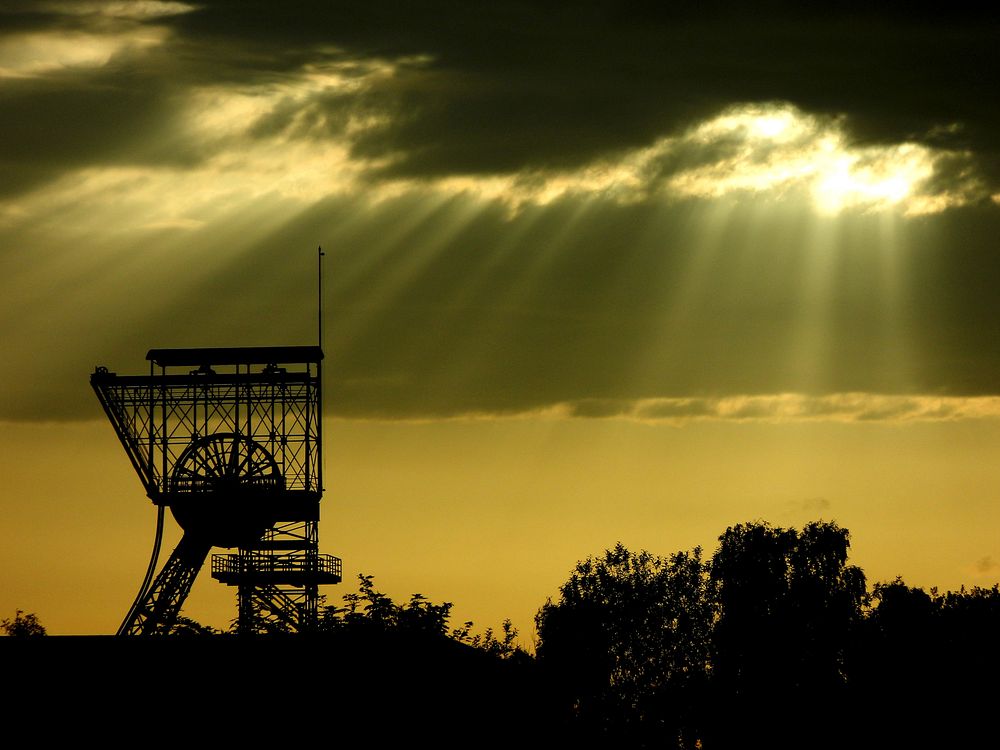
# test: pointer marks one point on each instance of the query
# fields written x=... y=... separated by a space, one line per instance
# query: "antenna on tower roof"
x=319 y=306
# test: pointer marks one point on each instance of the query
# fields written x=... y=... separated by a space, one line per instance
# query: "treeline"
x=775 y=641
x=369 y=611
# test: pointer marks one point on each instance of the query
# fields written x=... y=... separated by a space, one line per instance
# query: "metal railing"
x=250 y=565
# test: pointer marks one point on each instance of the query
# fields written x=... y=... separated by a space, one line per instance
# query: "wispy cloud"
x=777 y=409
x=790 y=407
x=986 y=565
x=812 y=505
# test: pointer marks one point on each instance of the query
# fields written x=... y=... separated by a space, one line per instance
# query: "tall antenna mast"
x=319 y=306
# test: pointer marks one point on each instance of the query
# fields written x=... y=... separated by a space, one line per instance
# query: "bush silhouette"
x=23 y=625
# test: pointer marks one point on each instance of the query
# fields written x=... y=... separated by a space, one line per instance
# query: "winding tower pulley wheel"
x=225 y=462
x=223 y=488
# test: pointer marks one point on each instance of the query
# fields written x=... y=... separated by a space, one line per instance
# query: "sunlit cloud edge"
x=783 y=408
x=770 y=151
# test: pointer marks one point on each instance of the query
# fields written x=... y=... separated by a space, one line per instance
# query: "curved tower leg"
x=158 y=611
x=150 y=570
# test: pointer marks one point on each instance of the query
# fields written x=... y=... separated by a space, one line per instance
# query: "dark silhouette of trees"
x=24 y=625
x=929 y=655
x=414 y=680
x=673 y=651
x=788 y=604
x=775 y=642
x=369 y=610
x=627 y=645
x=187 y=627
x=501 y=646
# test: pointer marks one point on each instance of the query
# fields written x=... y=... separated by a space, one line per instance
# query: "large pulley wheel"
x=225 y=489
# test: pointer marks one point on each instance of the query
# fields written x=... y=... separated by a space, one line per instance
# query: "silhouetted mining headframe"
x=231 y=440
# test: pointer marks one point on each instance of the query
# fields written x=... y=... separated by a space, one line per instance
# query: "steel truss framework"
x=278 y=578
x=156 y=613
x=234 y=448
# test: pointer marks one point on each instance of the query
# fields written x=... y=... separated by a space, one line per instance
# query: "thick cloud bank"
x=580 y=207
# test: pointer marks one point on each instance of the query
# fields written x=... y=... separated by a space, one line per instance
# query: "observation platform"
x=297 y=570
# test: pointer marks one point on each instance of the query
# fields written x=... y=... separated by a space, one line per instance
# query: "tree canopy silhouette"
x=370 y=610
x=787 y=604
x=23 y=625
x=628 y=642
x=645 y=648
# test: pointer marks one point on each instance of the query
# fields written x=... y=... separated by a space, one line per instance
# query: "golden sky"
x=596 y=273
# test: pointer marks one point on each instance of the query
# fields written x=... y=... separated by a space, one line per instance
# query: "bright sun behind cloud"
x=778 y=150
x=761 y=151
x=766 y=151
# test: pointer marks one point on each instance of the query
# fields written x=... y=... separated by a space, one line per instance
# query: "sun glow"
x=773 y=150
x=769 y=151
x=884 y=178
x=250 y=134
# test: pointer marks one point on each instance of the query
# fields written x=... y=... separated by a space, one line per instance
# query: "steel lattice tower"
x=234 y=448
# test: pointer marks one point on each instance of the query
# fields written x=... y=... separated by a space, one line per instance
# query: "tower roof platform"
x=240 y=355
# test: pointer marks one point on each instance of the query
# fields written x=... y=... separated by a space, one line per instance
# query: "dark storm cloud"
x=596 y=331
x=481 y=324
x=515 y=86
x=441 y=306
x=112 y=118
x=120 y=111
x=511 y=86
x=123 y=110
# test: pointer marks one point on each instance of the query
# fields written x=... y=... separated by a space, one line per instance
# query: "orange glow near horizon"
x=493 y=514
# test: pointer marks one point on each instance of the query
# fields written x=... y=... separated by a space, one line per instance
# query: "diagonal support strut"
x=157 y=612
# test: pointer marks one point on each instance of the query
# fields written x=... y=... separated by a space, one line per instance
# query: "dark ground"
x=372 y=690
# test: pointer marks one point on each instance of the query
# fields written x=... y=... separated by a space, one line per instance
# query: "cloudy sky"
x=596 y=271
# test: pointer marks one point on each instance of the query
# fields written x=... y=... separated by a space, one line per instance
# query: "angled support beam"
x=157 y=612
